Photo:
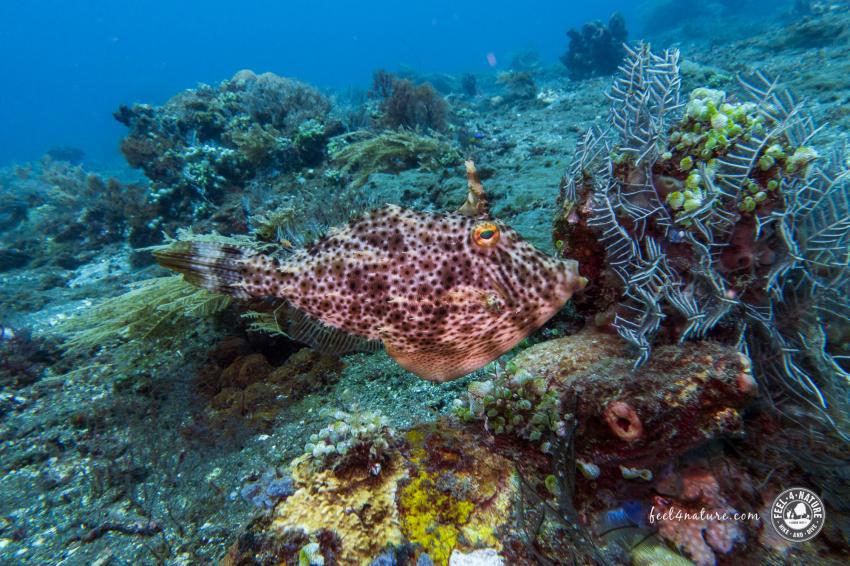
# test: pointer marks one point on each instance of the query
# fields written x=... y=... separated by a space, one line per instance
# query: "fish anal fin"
x=326 y=339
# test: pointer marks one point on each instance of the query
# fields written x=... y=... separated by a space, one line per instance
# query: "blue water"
x=66 y=66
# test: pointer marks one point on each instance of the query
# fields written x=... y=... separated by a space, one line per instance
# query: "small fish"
x=445 y=294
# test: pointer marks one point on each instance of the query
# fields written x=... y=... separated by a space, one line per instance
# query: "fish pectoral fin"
x=326 y=339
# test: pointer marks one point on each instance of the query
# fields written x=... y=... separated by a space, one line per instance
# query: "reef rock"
x=441 y=497
x=682 y=397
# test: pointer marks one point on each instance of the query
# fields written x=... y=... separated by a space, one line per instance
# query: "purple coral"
x=701 y=523
x=268 y=489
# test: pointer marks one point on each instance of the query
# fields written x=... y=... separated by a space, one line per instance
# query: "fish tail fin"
x=221 y=268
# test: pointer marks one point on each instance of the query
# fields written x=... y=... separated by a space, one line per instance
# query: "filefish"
x=444 y=293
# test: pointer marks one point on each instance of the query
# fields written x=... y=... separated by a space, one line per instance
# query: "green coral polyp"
x=675 y=200
x=710 y=129
x=693 y=180
x=513 y=403
x=766 y=162
x=748 y=204
x=800 y=160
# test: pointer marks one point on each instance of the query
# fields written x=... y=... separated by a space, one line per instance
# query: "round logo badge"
x=797 y=514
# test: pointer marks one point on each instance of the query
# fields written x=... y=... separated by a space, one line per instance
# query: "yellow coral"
x=442 y=491
x=433 y=518
x=359 y=507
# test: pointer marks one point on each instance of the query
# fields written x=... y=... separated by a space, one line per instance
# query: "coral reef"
x=168 y=423
x=596 y=49
x=208 y=141
x=715 y=218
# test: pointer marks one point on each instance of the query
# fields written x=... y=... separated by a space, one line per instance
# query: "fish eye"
x=485 y=234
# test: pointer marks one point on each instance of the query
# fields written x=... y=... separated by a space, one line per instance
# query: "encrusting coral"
x=438 y=491
x=675 y=402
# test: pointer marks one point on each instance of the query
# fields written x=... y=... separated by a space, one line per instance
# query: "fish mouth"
x=571 y=280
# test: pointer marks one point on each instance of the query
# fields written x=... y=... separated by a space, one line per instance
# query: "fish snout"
x=571 y=280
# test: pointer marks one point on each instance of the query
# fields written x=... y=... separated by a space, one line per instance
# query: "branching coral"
x=717 y=217
x=407 y=105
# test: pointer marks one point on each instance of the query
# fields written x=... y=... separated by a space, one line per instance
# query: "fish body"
x=445 y=293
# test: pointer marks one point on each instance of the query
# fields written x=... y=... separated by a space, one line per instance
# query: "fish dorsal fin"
x=476 y=204
x=326 y=339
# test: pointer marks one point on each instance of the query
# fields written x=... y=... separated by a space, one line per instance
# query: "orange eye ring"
x=485 y=234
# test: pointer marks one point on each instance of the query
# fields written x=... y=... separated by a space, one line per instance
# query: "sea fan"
x=719 y=219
